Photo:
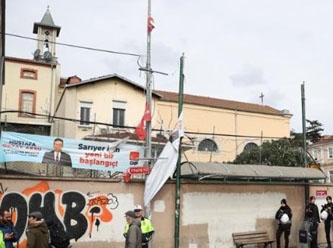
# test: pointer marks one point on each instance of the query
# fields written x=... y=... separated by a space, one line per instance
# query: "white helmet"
x=284 y=219
x=324 y=215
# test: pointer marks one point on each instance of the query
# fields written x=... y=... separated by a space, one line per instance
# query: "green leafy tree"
x=282 y=152
x=313 y=131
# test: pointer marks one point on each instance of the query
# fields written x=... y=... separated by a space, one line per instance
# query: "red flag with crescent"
x=150 y=24
x=140 y=129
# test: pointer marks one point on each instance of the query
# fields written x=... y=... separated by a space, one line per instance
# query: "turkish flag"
x=140 y=129
x=150 y=24
x=147 y=115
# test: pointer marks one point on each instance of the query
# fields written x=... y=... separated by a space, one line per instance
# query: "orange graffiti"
x=40 y=187
x=105 y=215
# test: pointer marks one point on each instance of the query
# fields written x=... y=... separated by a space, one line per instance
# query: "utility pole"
x=148 y=100
x=148 y=87
x=304 y=125
x=178 y=168
x=306 y=186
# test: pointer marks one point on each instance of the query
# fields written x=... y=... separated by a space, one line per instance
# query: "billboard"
x=81 y=154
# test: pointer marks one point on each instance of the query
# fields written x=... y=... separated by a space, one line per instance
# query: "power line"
x=75 y=46
x=131 y=127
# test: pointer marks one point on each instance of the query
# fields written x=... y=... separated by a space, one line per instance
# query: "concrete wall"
x=93 y=211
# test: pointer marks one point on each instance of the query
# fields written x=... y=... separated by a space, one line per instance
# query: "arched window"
x=207 y=145
x=249 y=146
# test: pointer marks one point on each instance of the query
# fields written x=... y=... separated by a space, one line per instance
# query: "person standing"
x=328 y=207
x=312 y=216
x=134 y=235
x=7 y=227
x=147 y=228
x=37 y=231
x=283 y=215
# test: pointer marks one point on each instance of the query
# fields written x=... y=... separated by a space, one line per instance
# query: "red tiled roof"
x=219 y=103
x=326 y=139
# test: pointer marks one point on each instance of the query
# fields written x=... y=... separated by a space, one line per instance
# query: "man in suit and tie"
x=57 y=156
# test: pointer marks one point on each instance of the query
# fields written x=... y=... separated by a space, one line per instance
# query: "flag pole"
x=148 y=86
x=178 y=169
x=148 y=100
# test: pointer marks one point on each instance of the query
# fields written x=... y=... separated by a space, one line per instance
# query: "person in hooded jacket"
x=284 y=225
x=134 y=234
x=328 y=207
x=37 y=231
x=312 y=216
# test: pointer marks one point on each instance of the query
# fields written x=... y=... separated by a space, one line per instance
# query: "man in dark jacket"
x=328 y=207
x=283 y=215
x=134 y=235
x=57 y=156
x=37 y=231
x=312 y=216
x=7 y=227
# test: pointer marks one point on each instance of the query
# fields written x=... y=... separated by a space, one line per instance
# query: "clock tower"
x=47 y=32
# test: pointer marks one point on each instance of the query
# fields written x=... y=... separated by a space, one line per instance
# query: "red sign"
x=321 y=193
x=134 y=155
x=139 y=170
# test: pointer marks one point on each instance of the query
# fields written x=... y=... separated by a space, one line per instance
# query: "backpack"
x=58 y=236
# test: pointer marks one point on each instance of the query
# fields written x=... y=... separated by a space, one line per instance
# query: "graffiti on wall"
x=80 y=214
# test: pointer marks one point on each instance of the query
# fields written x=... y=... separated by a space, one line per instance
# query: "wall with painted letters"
x=92 y=212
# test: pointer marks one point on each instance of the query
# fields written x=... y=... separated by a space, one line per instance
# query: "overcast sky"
x=234 y=49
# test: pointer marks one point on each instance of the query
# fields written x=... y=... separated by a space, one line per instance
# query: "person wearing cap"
x=283 y=215
x=147 y=228
x=134 y=235
x=37 y=231
x=328 y=207
x=7 y=227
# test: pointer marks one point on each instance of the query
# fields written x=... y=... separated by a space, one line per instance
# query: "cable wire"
x=75 y=46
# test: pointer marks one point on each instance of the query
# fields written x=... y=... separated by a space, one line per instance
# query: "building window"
x=85 y=112
x=331 y=176
x=330 y=152
x=250 y=146
x=118 y=113
x=29 y=73
x=118 y=117
x=315 y=154
x=27 y=103
x=207 y=145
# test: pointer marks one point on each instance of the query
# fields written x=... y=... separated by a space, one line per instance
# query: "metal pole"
x=148 y=88
x=148 y=99
x=306 y=186
x=2 y=50
x=178 y=169
x=304 y=125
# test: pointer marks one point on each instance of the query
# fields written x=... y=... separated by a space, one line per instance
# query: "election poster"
x=82 y=154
